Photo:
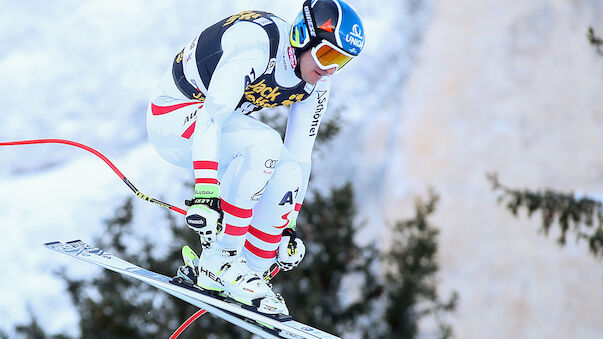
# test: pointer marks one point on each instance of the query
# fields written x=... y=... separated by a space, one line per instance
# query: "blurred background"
x=444 y=93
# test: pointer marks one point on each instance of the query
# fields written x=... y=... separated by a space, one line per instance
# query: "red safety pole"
x=188 y=321
x=105 y=159
x=128 y=183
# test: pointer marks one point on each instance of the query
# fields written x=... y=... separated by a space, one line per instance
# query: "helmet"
x=333 y=30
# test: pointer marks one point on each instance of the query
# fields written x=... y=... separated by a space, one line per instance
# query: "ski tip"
x=60 y=246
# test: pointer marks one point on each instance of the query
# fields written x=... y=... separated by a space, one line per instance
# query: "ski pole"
x=102 y=157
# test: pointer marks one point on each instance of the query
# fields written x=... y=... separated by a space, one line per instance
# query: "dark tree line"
x=113 y=306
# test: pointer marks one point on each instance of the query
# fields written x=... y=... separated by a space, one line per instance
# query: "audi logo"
x=270 y=163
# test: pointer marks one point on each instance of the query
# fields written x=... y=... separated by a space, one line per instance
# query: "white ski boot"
x=225 y=271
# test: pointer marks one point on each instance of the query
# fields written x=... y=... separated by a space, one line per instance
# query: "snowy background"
x=443 y=92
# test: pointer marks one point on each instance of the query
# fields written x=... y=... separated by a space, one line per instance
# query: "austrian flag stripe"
x=160 y=110
x=235 y=230
x=206 y=172
x=206 y=181
x=210 y=165
x=236 y=211
x=259 y=252
x=269 y=238
x=236 y=220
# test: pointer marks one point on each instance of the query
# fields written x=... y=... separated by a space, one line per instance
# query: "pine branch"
x=411 y=286
x=594 y=40
x=582 y=214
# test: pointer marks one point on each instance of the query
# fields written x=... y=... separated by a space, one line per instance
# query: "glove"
x=204 y=215
x=290 y=251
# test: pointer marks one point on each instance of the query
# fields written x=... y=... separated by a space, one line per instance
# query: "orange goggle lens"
x=327 y=56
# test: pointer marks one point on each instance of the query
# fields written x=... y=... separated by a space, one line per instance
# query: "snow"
x=84 y=71
x=68 y=202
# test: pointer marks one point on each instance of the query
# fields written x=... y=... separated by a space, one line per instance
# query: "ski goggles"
x=326 y=55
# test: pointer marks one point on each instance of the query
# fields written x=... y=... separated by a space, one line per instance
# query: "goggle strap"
x=309 y=18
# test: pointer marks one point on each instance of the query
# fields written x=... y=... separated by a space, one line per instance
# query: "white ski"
x=284 y=326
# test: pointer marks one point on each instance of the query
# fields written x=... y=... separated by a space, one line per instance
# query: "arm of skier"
x=245 y=47
x=302 y=129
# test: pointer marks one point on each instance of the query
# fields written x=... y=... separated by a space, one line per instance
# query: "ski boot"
x=189 y=271
x=269 y=273
x=224 y=271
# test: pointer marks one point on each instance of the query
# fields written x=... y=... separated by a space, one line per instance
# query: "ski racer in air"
x=249 y=184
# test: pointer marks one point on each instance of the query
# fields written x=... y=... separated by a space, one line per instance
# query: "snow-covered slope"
x=84 y=71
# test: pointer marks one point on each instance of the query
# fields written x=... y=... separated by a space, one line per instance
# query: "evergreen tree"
x=127 y=308
x=583 y=213
x=410 y=283
x=32 y=329
x=112 y=306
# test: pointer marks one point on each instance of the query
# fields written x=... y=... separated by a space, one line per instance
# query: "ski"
x=267 y=326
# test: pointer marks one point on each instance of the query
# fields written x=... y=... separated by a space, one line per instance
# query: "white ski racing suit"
x=199 y=119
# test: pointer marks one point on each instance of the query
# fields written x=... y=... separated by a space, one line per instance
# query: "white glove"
x=205 y=217
x=290 y=251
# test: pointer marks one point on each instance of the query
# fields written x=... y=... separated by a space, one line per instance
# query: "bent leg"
x=171 y=121
x=248 y=153
x=249 y=148
x=271 y=216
